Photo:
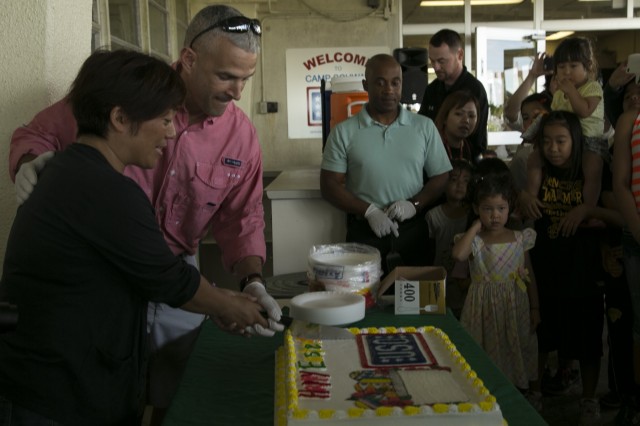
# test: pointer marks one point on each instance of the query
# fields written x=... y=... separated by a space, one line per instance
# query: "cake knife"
x=313 y=331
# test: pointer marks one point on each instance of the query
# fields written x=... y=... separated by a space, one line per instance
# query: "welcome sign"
x=305 y=70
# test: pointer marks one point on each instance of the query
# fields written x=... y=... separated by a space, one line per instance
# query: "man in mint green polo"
x=373 y=165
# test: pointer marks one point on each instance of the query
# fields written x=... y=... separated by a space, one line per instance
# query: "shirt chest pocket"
x=213 y=182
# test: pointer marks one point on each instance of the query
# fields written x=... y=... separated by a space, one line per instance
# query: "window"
x=584 y=9
x=159 y=27
x=502 y=64
x=430 y=15
x=124 y=24
x=522 y=11
x=182 y=21
x=414 y=13
x=95 y=26
x=156 y=27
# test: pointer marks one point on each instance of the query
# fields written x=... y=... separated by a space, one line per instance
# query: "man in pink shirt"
x=209 y=177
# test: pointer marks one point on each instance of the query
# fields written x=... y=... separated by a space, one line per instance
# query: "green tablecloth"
x=230 y=380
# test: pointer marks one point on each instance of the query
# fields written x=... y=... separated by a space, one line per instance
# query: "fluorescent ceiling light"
x=428 y=3
x=559 y=35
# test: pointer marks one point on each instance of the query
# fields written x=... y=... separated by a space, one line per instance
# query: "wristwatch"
x=251 y=278
x=415 y=203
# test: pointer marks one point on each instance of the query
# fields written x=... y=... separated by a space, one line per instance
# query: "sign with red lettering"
x=305 y=69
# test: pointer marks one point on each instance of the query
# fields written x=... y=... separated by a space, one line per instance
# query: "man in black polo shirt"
x=446 y=55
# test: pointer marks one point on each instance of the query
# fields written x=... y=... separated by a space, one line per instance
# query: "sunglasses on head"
x=235 y=24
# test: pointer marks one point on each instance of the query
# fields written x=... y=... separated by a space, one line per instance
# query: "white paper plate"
x=327 y=307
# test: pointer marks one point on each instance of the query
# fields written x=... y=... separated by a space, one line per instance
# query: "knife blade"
x=313 y=331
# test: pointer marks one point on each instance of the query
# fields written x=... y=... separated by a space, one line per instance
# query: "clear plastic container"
x=346 y=267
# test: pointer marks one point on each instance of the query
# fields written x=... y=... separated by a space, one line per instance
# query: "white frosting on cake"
x=450 y=395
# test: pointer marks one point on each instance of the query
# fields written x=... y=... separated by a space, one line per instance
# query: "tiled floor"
x=563 y=410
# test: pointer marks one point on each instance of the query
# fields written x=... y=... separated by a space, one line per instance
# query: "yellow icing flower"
x=490 y=398
x=355 y=412
x=325 y=413
x=411 y=410
x=372 y=330
x=440 y=408
x=410 y=329
x=384 y=411
x=299 y=413
x=392 y=330
x=464 y=407
x=486 y=406
x=478 y=383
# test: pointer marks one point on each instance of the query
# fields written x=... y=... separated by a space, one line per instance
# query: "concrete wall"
x=291 y=25
x=43 y=46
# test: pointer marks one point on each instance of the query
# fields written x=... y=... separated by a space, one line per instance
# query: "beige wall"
x=290 y=30
x=44 y=43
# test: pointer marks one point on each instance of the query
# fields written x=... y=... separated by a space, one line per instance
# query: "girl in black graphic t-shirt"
x=566 y=259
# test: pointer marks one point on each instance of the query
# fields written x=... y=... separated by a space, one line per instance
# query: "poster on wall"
x=305 y=69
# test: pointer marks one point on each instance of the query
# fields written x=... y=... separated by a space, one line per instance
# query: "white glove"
x=257 y=290
x=401 y=210
x=27 y=176
x=380 y=222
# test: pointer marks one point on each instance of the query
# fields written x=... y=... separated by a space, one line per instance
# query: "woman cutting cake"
x=85 y=255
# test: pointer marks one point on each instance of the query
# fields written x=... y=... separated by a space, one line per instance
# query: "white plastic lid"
x=328 y=307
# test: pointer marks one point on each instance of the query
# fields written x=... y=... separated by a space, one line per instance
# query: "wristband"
x=251 y=277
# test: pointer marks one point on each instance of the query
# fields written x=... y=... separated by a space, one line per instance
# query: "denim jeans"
x=13 y=415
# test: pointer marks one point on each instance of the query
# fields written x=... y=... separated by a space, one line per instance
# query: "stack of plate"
x=287 y=285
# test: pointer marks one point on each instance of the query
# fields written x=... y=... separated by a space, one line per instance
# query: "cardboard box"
x=418 y=290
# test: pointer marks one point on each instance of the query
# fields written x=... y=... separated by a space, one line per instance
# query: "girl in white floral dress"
x=501 y=309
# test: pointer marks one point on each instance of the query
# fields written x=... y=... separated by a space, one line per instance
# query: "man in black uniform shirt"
x=446 y=55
